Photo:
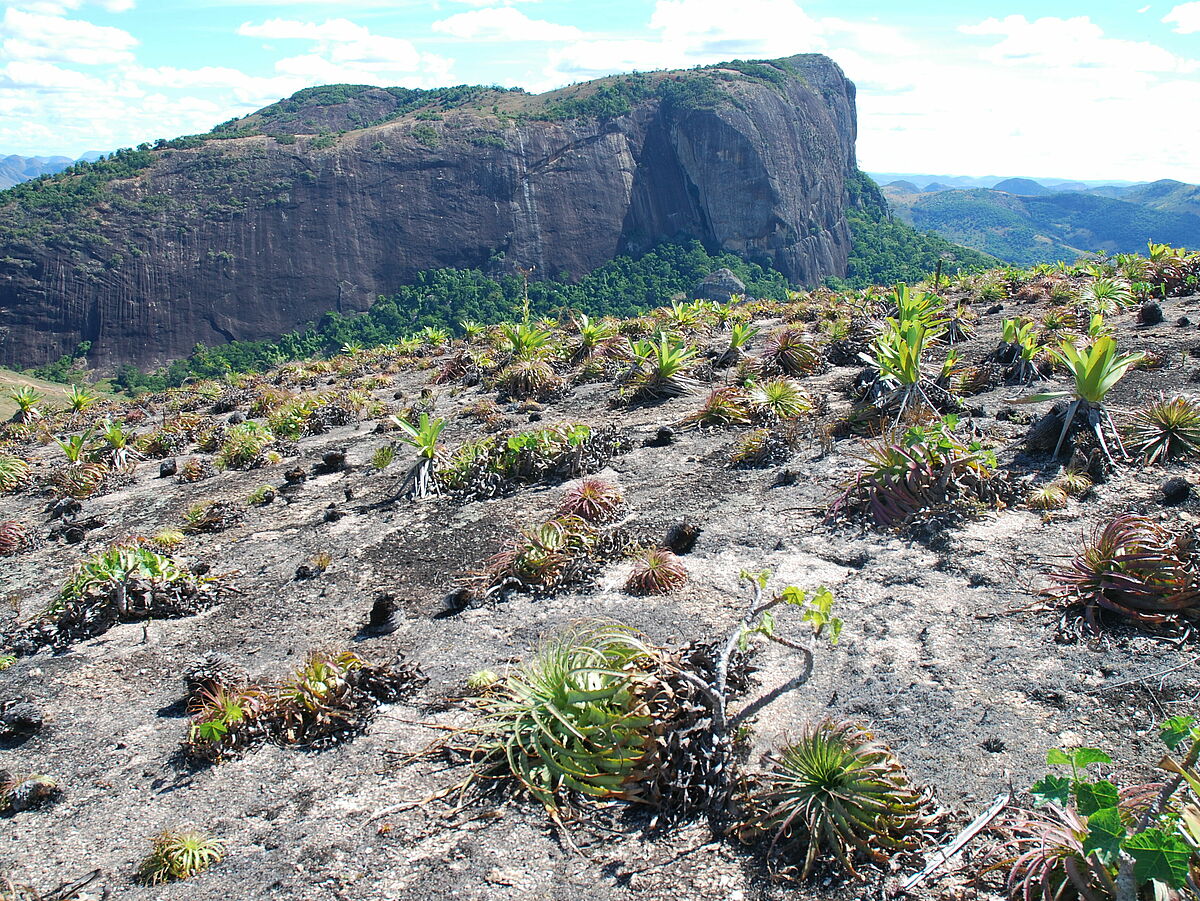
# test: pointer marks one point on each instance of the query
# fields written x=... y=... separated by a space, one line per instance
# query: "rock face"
x=720 y=286
x=246 y=237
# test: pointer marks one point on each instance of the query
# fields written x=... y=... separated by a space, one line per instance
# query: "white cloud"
x=1054 y=43
x=344 y=51
x=1012 y=96
x=504 y=24
x=26 y=35
x=1185 y=18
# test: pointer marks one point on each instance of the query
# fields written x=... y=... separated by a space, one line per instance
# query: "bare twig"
x=945 y=854
x=1109 y=686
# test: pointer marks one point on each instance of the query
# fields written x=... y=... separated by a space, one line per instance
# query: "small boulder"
x=662 y=437
x=331 y=461
x=384 y=617
x=19 y=720
x=1175 y=490
x=720 y=286
x=1151 y=313
x=168 y=467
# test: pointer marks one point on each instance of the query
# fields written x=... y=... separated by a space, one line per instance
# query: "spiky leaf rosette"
x=1166 y=430
x=572 y=720
x=13 y=537
x=839 y=791
x=1046 y=858
x=723 y=407
x=14 y=473
x=1135 y=568
x=180 y=855
x=592 y=499
x=788 y=352
x=656 y=571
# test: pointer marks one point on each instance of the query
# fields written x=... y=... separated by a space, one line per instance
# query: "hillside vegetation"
x=766 y=598
x=1023 y=222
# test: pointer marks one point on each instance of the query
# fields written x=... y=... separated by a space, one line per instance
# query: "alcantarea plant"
x=421 y=480
x=79 y=399
x=1093 y=839
x=1095 y=371
x=176 y=855
x=1165 y=430
x=835 y=789
x=26 y=398
x=661 y=368
x=1020 y=347
x=897 y=354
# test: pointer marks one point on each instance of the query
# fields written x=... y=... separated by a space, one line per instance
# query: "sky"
x=1107 y=90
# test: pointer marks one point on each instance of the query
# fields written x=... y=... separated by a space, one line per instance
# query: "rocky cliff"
x=326 y=200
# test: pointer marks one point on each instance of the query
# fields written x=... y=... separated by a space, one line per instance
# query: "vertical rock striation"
x=248 y=236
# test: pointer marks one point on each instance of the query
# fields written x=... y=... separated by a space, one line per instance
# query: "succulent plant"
x=919 y=469
x=656 y=570
x=25 y=792
x=839 y=791
x=14 y=473
x=1135 y=568
x=1051 y=496
x=80 y=481
x=13 y=537
x=591 y=499
x=723 y=407
x=788 y=352
x=176 y=855
x=528 y=378
x=571 y=720
x=1165 y=430
x=780 y=399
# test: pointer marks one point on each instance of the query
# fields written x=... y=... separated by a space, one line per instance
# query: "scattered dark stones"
x=384 y=616
x=306 y=571
x=26 y=792
x=18 y=721
x=236 y=418
x=664 y=436
x=1151 y=313
x=458 y=600
x=1183 y=322
x=682 y=537
x=333 y=513
x=1016 y=415
x=331 y=461
x=1175 y=490
x=66 y=506
x=295 y=476
x=73 y=531
x=994 y=308
x=168 y=468
x=785 y=478
x=535 y=417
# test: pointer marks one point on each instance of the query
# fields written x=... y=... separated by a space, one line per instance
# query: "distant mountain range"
x=1026 y=221
x=16 y=169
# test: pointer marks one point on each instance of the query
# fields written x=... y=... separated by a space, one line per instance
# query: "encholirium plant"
x=835 y=791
